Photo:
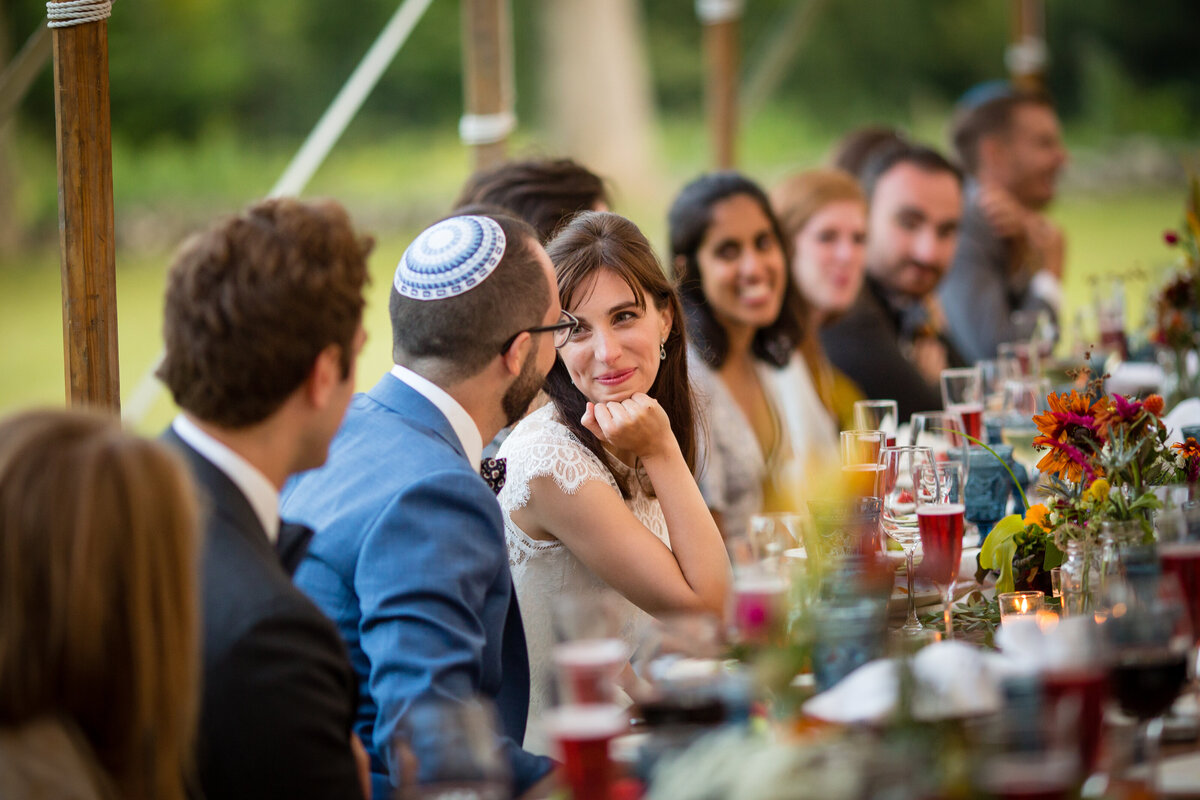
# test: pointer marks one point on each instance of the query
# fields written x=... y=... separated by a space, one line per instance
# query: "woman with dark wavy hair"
x=746 y=322
x=600 y=491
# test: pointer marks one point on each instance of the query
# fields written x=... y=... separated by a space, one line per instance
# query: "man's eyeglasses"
x=562 y=329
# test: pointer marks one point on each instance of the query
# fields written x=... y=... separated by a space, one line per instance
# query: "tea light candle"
x=1021 y=604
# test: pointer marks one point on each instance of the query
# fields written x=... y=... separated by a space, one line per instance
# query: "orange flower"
x=1067 y=413
x=1037 y=515
x=1153 y=404
x=1188 y=449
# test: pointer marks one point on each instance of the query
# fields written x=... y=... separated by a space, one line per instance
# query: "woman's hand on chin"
x=638 y=425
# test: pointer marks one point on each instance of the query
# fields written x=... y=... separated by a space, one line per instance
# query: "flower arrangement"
x=1103 y=454
x=1177 y=306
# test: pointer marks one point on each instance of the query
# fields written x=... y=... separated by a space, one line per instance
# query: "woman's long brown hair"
x=597 y=240
x=98 y=595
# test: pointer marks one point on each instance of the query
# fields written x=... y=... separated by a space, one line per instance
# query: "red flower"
x=1171 y=238
x=1153 y=404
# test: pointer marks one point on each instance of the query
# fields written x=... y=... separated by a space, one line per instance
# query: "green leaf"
x=1002 y=533
x=1005 y=552
x=1054 y=556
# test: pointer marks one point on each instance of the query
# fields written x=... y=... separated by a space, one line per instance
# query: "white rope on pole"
x=712 y=12
x=476 y=129
x=350 y=99
x=77 y=12
x=312 y=153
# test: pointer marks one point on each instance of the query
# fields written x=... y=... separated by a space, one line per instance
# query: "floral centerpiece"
x=1103 y=456
x=1177 y=306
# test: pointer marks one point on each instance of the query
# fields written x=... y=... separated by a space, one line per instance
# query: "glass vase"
x=1081 y=576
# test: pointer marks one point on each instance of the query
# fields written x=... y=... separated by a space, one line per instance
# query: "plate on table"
x=923 y=595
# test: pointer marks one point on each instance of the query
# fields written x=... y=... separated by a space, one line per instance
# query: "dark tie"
x=292 y=544
x=492 y=470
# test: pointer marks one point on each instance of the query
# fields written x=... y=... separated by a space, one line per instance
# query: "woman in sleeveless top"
x=599 y=491
x=766 y=424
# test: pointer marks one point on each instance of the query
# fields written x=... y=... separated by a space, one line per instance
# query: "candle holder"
x=1021 y=604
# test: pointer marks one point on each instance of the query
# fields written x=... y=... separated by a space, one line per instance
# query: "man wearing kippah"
x=409 y=557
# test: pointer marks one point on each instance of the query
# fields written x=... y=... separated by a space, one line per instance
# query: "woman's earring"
x=662 y=351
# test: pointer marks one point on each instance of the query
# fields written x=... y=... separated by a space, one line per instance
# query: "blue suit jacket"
x=409 y=561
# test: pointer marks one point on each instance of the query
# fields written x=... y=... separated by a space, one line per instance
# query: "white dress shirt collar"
x=259 y=491
x=464 y=427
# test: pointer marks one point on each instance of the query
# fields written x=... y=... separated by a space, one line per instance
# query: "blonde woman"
x=823 y=213
x=99 y=653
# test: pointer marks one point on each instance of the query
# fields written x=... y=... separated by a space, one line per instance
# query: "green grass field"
x=394 y=188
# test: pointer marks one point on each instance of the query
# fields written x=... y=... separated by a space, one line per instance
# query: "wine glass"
x=453 y=746
x=940 y=519
x=898 y=488
x=1023 y=398
x=962 y=394
x=941 y=432
x=860 y=461
x=1149 y=638
x=878 y=415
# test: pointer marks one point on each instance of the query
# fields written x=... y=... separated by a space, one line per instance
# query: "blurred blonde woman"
x=823 y=213
x=98 y=616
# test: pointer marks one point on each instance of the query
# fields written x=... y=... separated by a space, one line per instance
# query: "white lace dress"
x=546 y=570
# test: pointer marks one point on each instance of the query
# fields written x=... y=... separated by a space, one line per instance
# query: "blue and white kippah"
x=450 y=257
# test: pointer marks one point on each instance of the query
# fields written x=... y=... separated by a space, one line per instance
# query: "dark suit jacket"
x=278 y=692
x=865 y=344
x=410 y=561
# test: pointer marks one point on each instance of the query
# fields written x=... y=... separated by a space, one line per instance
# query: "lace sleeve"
x=540 y=445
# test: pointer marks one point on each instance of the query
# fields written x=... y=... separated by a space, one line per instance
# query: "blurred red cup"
x=581 y=734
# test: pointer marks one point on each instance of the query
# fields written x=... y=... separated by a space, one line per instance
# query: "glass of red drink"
x=878 y=415
x=590 y=652
x=940 y=519
x=581 y=736
x=962 y=394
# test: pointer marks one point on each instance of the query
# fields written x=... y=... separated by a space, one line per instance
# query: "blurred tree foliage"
x=268 y=68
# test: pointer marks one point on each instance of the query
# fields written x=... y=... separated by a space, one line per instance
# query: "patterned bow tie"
x=492 y=470
x=292 y=545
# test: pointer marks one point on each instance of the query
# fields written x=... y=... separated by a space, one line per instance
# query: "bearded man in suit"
x=263 y=326
x=409 y=556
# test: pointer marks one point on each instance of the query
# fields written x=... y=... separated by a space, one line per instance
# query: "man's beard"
x=526 y=387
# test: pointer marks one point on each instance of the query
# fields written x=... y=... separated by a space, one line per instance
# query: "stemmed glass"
x=962 y=394
x=1149 y=637
x=898 y=486
x=1025 y=355
x=1023 y=398
x=940 y=513
x=878 y=415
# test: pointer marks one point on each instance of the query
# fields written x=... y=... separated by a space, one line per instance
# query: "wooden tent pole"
x=487 y=80
x=721 y=20
x=85 y=214
x=1026 y=55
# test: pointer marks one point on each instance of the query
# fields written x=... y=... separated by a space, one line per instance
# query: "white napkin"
x=1133 y=377
x=953 y=679
x=1186 y=413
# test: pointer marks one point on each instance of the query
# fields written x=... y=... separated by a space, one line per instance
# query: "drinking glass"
x=454 y=746
x=860 y=461
x=941 y=432
x=771 y=534
x=1149 y=638
x=1025 y=355
x=940 y=512
x=590 y=652
x=581 y=736
x=1023 y=399
x=1177 y=524
x=878 y=415
x=962 y=394
x=899 y=488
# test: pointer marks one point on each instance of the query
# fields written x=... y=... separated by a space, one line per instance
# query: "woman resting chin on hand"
x=599 y=490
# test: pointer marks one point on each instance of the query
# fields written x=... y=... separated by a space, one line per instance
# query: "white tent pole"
x=313 y=152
